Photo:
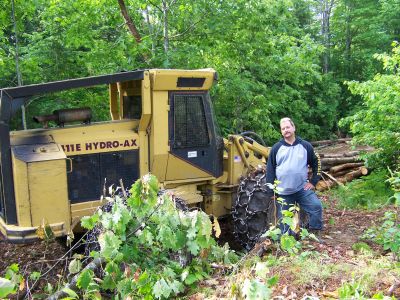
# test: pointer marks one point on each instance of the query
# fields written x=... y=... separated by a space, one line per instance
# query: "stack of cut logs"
x=338 y=168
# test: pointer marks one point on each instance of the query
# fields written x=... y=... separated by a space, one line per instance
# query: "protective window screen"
x=190 y=126
x=92 y=171
x=132 y=106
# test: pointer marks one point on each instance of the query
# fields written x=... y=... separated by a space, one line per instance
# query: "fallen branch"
x=94 y=265
x=332 y=178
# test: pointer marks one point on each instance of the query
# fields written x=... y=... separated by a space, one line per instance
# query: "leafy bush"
x=377 y=123
x=150 y=249
x=387 y=234
x=368 y=192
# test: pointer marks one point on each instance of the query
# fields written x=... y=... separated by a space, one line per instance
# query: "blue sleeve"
x=314 y=162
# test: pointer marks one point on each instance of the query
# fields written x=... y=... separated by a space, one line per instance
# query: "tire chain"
x=254 y=209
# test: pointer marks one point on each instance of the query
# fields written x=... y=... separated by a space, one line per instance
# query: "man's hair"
x=286 y=119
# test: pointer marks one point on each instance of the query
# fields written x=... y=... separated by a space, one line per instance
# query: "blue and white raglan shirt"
x=289 y=165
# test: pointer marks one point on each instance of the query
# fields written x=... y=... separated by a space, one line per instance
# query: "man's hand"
x=309 y=186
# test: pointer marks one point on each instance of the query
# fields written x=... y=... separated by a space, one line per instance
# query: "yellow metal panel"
x=48 y=192
x=188 y=192
x=78 y=210
x=159 y=124
x=179 y=169
x=146 y=102
x=163 y=80
x=114 y=111
x=144 y=129
x=94 y=138
x=144 y=167
x=159 y=166
x=20 y=174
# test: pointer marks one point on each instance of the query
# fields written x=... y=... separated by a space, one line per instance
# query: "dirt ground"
x=342 y=230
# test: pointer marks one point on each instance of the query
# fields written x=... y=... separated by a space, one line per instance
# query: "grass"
x=369 y=192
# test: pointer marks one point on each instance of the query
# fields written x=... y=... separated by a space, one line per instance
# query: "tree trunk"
x=338 y=168
x=17 y=69
x=151 y=31
x=165 y=15
x=339 y=160
x=347 y=52
x=128 y=21
x=325 y=31
x=330 y=142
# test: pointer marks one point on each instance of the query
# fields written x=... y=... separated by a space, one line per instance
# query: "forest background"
x=331 y=65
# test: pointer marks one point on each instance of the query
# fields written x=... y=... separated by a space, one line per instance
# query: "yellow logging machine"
x=162 y=122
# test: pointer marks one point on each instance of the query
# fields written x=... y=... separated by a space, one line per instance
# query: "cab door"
x=193 y=134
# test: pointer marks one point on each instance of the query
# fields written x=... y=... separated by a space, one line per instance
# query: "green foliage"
x=7 y=287
x=394 y=181
x=151 y=250
x=351 y=290
x=361 y=247
x=11 y=281
x=377 y=123
x=387 y=234
x=368 y=192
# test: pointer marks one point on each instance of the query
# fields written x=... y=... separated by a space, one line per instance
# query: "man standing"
x=288 y=163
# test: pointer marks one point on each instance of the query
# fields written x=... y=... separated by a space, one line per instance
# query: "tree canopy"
x=275 y=58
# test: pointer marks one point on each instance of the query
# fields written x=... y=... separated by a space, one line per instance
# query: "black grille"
x=90 y=171
x=190 y=82
x=190 y=127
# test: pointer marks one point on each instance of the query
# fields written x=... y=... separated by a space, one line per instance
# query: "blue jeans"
x=308 y=202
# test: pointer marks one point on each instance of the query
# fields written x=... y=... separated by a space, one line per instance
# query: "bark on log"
x=336 y=155
x=339 y=160
x=330 y=155
x=329 y=142
x=351 y=153
x=343 y=172
x=323 y=185
x=353 y=175
x=338 y=168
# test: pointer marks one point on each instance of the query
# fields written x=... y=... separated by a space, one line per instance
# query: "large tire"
x=254 y=210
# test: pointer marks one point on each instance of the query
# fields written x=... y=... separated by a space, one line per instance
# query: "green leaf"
x=288 y=243
x=255 y=290
x=161 y=289
x=262 y=269
x=109 y=244
x=84 y=279
x=88 y=222
x=6 y=287
x=34 y=275
x=70 y=293
x=108 y=282
x=193 y=247
x=190 y=279
x=273 y=280
x=74 y=266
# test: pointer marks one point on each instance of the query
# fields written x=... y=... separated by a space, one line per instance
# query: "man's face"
x=287 y=129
